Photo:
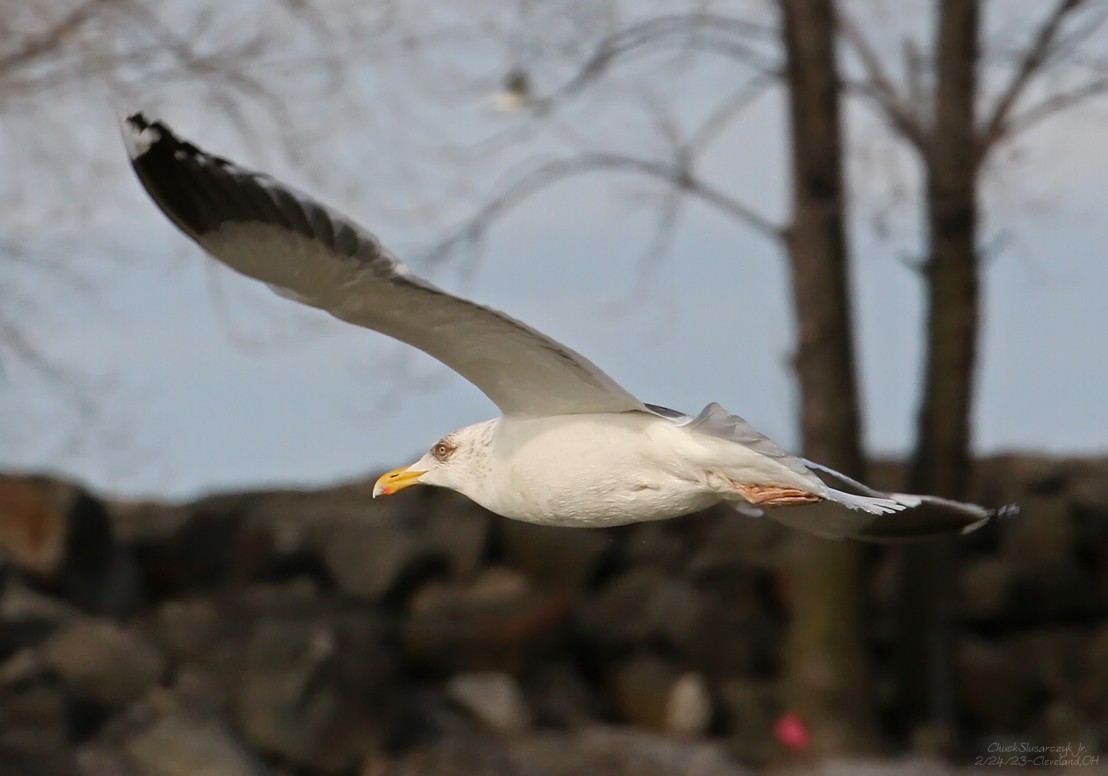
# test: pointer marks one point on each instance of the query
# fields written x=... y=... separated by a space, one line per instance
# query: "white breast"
x=597 y=469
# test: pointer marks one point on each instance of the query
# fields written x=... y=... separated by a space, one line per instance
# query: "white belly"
x=590 y=470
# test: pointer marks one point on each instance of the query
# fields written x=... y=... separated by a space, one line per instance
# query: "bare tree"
x=954 y=134
x=826 y=668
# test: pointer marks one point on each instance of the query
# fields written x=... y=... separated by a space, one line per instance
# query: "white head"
x=459 y=461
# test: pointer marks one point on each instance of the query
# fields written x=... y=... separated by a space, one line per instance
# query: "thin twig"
x=1034 y=59
x=879 y=86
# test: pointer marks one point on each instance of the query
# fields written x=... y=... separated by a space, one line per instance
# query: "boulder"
x=374 y=561
x=493 y=698
x=560 y=697
x=497 y=622
x=750 y=707
x=644 y=605
x=34 y=721
x=102 y=661
x=319 y=691
x=554 y=557
x=182 y=745
x=460 y=533
x=987 y=586
x=1043 y=534
x=650 y=693
x=995 y=689
x=61 y=537
x=187 y=628
x=597 y=751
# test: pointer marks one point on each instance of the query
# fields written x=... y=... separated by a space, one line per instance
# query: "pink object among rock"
x=791 y=731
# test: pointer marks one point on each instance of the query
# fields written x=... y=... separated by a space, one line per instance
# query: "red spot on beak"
x=791 y=731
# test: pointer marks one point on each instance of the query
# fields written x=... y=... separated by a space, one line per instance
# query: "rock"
x=736 y=539
x=52 y=764
x=214 y=545
x=554 y=557
x=493 y=698
x=103 y=661
x=99 y=759
x=62 y=537
x=987 y=585
x=596 y=751
x=187 y=628
x=20 y=667
x=34 y=721
x=494 y=623
x=1043 y=534
x=1010 y=479
x=1095 y=692
x=319 y=691
x=459 y=534
x=19 y=602
x=651 y=694
x=663 y=544
x=32 y=530
x=1049 y=592
x=181 y=745
x=1063 y=722
x=373 y=561
x=1058 y=658
x=1089 y=487
x=640 y=754
x=689 y=711
x=560 y=697
x=994 y=688
x=643 y=605
x=750 y=707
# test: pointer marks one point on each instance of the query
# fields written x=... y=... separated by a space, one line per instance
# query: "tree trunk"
x=941 y=464
x=826 y=673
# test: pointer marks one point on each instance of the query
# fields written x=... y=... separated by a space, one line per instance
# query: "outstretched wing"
x=308 y=252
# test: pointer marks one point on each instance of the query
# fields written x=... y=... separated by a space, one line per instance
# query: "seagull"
x=572 y=447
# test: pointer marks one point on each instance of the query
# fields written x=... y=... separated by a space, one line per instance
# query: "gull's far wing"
x=310 y=253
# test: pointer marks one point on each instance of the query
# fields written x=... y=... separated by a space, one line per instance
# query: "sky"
x=199 y=380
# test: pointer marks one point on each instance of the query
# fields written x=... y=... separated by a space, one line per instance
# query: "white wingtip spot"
x=136 y=137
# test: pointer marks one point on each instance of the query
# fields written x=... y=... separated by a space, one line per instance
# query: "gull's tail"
x=860 y=512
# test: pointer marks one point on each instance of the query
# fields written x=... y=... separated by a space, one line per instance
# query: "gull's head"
x=457 y=461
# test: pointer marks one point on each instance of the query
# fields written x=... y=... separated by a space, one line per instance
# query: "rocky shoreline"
x=327 y=633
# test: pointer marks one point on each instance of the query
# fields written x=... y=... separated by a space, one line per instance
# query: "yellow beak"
x=398 y=479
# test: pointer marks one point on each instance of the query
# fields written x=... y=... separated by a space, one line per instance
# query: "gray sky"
x=182 y=407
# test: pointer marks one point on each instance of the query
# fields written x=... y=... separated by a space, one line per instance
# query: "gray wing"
x=308 y=252
x=717 y=421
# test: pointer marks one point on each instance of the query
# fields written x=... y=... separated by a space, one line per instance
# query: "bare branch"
x=713 y=33
x=1033 y=61
x=728 y=109
x=48 y=40
x=879 y=87
x=546 y=175
x=1052 y=106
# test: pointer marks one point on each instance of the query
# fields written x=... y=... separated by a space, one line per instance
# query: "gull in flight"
x=572 y=447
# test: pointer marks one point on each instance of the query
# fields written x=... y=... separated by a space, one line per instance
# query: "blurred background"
x=870 y=227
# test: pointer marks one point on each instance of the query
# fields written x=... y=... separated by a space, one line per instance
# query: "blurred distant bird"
x=516 y=95
x=572 y=448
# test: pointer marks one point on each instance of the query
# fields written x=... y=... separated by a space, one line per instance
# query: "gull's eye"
x=442 y=451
